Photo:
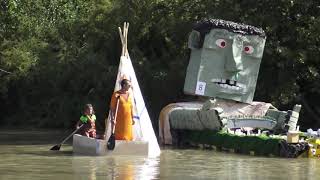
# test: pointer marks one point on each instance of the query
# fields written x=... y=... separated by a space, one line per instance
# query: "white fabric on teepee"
x=143 y=130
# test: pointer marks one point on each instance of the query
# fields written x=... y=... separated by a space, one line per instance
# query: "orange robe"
x=123 y=127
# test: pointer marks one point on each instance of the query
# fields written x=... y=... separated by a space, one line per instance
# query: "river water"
x=26 y=155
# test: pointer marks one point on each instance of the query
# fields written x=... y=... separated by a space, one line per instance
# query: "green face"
x=226 y=66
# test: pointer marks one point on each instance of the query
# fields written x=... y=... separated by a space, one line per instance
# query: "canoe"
x=98 y=147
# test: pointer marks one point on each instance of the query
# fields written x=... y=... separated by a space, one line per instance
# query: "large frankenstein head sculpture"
x=225 y=60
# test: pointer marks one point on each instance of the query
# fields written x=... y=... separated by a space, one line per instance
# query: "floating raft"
x=98 y=147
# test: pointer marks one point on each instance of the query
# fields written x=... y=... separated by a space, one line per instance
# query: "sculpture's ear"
x=194 y=40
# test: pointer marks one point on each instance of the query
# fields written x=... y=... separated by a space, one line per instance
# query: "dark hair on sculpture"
x=204 y=27
x=124 y=82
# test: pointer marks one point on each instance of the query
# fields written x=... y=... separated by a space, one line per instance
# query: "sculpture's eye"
x=248 y=49
x=221 y=43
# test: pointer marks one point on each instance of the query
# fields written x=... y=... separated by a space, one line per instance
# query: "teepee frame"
x=124 y=39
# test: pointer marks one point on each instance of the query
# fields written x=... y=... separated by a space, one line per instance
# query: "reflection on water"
x=26 y=155
x=199 y=164
x=115 y=168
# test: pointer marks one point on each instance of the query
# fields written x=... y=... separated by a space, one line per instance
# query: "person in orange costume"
x=124 y=119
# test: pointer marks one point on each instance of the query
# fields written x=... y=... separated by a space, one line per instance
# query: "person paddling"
x=124 y=120
x=88 y=119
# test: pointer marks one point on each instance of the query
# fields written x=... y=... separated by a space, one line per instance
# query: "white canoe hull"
x=90 y=146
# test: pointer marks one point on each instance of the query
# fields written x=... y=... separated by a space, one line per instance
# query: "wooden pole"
x=126 y=36
x=122 y=40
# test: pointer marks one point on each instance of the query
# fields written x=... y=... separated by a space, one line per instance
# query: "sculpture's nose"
x=233 y=63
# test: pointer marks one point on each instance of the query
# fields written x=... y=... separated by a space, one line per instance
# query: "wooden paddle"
x=57 y=147
x=112 y=139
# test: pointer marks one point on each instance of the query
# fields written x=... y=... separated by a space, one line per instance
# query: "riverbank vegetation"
x=57 y=55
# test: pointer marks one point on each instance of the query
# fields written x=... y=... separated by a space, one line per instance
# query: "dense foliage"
x=64 y=53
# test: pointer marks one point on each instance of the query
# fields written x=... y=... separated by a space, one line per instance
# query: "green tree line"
x=57 y=55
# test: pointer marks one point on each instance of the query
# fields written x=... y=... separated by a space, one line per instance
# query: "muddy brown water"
x=26 y=155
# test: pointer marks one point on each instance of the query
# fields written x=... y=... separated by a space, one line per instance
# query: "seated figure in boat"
x=88 y=119
x=121 y=103
x=223 y=69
